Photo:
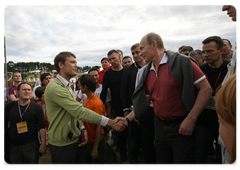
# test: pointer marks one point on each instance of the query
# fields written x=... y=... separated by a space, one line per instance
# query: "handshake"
x=118 y=124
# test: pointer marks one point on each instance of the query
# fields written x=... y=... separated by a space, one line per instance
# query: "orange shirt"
x=97 y=106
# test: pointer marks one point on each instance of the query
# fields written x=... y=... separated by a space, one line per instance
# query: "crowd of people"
x=171 y=107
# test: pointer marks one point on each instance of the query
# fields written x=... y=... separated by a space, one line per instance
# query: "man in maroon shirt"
x=170 y=81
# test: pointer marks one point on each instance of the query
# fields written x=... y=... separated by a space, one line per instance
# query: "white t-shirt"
x=97 y=92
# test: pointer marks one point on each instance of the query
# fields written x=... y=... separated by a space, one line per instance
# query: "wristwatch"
x=127 y=120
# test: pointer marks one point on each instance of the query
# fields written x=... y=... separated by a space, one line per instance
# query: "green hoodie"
x=63 y=113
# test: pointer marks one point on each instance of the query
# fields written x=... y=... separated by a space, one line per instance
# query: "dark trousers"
x=27 y=153
x=7 y=147
x=70 y=154
x=134 y=141
x=172 y=147
x=121 y=136
x=205 y=136
x=147 y=133
x=101 y=152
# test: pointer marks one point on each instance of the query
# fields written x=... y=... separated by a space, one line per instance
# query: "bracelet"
x=127 y=120
x=83 y=129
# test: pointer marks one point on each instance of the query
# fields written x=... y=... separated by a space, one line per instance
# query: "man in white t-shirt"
x=81 y=97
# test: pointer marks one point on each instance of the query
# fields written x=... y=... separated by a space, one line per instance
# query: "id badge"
x=22 y=127
x=211 y=103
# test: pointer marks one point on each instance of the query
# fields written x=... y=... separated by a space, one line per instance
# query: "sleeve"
x=108 y=98
x=198 y=75
x=7 y=109
x=105 y=87
x=124 y=91
x=73 y=107
x=40 y=116
x=10 y=91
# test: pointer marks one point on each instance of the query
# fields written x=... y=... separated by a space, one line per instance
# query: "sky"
x=37 y=33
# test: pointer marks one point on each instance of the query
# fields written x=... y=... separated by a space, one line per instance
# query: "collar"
x=163 y=61
x=63 y=80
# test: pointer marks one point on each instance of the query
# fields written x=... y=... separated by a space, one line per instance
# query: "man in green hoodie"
x=64 y=113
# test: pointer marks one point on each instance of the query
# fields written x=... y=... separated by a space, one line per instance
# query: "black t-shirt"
x=33 y=116
x=112 y=80
x=209 y=117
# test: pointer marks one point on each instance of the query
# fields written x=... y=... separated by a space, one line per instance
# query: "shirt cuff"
x=82 y=127
x=104 y=121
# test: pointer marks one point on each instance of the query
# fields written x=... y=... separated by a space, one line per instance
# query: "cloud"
x=39 y=33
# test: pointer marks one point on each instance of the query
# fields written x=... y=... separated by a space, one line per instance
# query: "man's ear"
x=221 y=50
x=154 y=44
x=60 y=64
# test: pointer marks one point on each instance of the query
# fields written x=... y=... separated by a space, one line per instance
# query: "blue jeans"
x=27 y=153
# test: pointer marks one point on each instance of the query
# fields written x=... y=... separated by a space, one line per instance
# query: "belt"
x=169 y=121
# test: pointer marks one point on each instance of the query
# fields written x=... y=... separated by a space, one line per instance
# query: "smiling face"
x=146 y=50
x=231 y=9
x=95 y=75
x=69 y=68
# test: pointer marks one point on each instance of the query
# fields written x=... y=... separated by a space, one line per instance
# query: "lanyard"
x=20 y=112
x=67 y=88
x=88 y=100
x=216 y=80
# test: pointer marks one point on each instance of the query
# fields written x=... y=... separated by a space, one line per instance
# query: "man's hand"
x=42 y=149
x=94 y=154
x=118 y=124
x=84 y=138
x=187 y=126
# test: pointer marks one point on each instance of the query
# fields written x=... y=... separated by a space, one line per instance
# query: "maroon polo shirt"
x=166 y=92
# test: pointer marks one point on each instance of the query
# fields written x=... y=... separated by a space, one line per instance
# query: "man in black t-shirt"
x=112 y=80
x=23 y=120
x=215 y=70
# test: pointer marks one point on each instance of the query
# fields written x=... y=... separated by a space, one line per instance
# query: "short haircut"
x=16 y=72
x=104 y=58
x=19 y=86
x=218 y=40
x=93 y=69
x=111 y=52
x=96 y=67
x=187 y=48
x=135 y=46
x=120 y=51
x=180 y=48
x=42 y=77
x=39 y=92
x=155 y=37
x=61 y=57
x=199 y=52
x=89 y=81
x=126 y=57
x=229 y=42
x=196 y=52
